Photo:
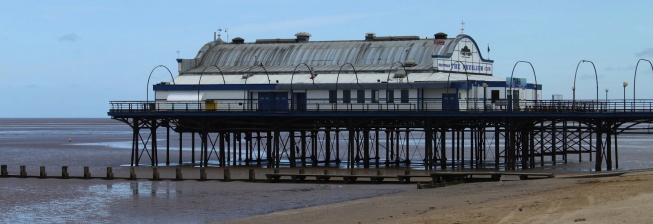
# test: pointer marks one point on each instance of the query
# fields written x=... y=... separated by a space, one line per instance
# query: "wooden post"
x=227 y=175
x=252 y=176
x=155 y=174
x=64 y=172
x=109 y=173
x=178 y=175
x=87 y=173
x=202 y=174
x=132 y=173
x=3 y=171
x=23 y=173
x=42 y=172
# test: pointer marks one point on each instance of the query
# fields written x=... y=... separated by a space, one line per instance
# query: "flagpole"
x=488 y=51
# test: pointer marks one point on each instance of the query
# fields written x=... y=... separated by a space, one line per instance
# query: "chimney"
x=238 y=40
x=302 y=37
x=370 y=36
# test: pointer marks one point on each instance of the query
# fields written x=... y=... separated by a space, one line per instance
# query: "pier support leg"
x=608 y=153
x=428 y=148
x=327 y=151
x=167 y=143
x=599 y=148
x=277 y=149
x=350 y=150
x=293 y=147
x=192 y=152
x=443 y=152
x=366 y=148
x=496 y=147
x=377 y=157
x=407 y=147
x=302 y=135
x=154 y=158
x=181 y=141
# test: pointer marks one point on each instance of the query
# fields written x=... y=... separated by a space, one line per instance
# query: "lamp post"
x=573 y=102
x=625 y=84
x=484 y=97
x=606 y=99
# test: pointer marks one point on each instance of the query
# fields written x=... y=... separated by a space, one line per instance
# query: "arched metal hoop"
x=147 y=92
x=596 y=76
x=635 y=77
x=390 y=71
x=355 y=73
x=513 y=73
x=199 y=105
x=292 y=77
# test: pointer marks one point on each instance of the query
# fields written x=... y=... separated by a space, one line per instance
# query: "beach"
x=618 y=199
x=102 y=143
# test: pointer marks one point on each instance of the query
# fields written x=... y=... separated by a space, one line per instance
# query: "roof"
x=370 y=61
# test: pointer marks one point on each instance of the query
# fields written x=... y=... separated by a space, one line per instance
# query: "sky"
x=68 y=59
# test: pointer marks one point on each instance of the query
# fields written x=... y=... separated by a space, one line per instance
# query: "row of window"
x=360 y=96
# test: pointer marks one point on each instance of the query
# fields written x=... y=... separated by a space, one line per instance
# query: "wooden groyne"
x=348 y=176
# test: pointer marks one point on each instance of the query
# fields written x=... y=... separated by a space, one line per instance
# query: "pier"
x=376 y=102
x=549 y=131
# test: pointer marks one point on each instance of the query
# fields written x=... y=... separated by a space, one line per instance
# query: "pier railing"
x=467 y=106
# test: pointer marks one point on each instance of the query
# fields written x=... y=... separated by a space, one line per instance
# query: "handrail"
x=429 y=105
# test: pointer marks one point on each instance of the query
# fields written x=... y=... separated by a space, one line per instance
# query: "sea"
x=102 y=142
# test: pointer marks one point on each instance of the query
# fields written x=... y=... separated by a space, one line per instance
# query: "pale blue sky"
x=70 y=58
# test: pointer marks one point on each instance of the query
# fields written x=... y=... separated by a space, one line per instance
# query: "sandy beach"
x=619 y=199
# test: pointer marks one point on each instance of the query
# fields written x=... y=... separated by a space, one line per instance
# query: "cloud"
x=72 y=37
x=620 y=68
x=590 y=76
x=643 y=67
x=645 y=52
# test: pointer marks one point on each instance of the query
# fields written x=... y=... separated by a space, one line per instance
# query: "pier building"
x=379 y=101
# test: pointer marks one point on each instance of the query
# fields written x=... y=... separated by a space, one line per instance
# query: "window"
x=404 y=96
x=375 y=96
x=346 y=96
x=390 y=96
x=333 y=96
x=360 y=96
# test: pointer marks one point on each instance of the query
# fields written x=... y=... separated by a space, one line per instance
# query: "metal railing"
x=460 y=106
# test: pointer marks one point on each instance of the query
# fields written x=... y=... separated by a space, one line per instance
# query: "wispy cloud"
x=645 y=52
x=620 y=68
x=643 y=67
x=589 y=76
x=72 y=37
